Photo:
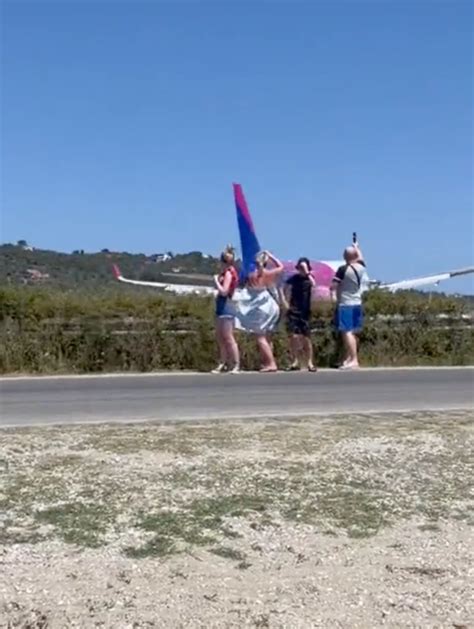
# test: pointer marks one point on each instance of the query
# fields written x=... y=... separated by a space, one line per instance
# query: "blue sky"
x=125 y=123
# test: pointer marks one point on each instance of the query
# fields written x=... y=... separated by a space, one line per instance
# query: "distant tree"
x=105 y=251
x=22 y=243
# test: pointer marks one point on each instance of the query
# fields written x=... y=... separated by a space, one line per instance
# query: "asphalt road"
x=29 y=401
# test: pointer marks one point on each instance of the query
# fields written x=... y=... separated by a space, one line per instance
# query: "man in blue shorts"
x=347 y=287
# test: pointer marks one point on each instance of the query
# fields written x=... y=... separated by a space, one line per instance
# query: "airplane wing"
x=179 y=289
x=427 y=280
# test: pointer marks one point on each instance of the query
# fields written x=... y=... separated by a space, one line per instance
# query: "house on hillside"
x=161 y=257
x=24 y=245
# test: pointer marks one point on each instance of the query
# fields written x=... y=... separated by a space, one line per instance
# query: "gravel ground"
x=360 y=521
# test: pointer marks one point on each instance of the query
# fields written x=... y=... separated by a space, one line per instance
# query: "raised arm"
x=360 y=255
x=308 y=274
x=277 y=268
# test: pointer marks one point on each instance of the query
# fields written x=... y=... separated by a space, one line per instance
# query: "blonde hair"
x=261 y=259
x=228 y=255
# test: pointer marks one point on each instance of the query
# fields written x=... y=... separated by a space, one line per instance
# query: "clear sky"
x=125 y=123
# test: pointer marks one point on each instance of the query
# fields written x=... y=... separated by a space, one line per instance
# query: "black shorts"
x=297 y=324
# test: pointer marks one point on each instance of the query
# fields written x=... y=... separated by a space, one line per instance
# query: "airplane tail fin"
x=248 y=239
x=116 y=271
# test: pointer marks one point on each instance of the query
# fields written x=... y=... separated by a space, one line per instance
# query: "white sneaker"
x=349 y=366
x=235 y=370
x=220 y=368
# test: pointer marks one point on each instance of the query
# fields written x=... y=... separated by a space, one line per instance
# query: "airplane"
x=323 y=271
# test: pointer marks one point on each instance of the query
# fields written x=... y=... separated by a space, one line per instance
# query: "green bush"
x=44 y=331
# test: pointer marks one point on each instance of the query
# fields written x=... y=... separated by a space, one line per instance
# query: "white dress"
x=256 y=310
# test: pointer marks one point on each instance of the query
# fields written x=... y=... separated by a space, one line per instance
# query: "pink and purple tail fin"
x=248 y=239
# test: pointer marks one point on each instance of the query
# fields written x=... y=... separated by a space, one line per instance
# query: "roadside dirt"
x=361 y=521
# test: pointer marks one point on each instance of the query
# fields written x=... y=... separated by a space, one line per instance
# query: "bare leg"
x=295 y=350
x=229 y=342
x=222 y=348
x=220 y=342
x=349 y=340
x=272 y=348
x=270 y=341
x=266 y=353
x=308 y=352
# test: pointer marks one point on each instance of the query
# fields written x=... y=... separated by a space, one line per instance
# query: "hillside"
x=21 y=265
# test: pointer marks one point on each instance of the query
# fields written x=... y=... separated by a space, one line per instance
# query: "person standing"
x=226 y=283
x=258 y=311
x=347 y=288
x=296 y=299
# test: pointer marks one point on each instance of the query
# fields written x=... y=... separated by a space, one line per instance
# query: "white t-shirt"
x=352 y=281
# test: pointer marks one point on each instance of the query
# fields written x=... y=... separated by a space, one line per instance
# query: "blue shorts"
x=224 y=308
x=349 y=318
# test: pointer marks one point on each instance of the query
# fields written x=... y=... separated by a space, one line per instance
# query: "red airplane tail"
x=116 y=271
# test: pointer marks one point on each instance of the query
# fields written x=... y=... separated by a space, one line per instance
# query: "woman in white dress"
x=258 y=310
